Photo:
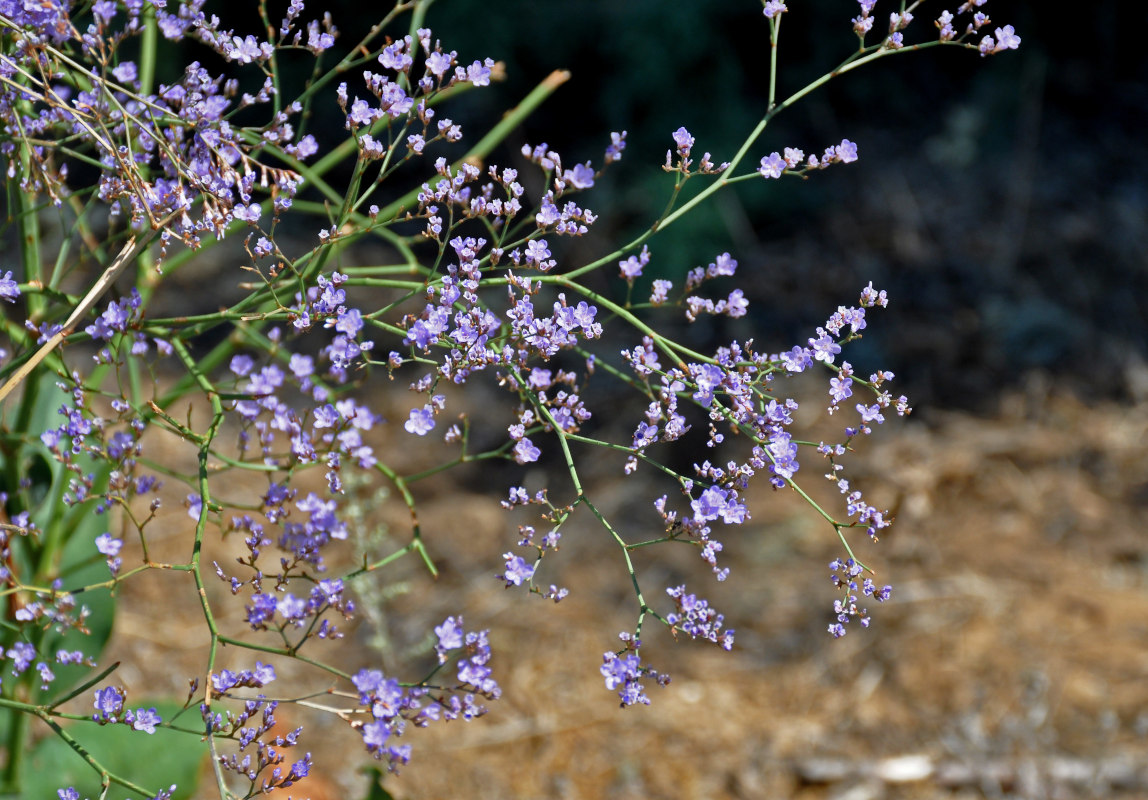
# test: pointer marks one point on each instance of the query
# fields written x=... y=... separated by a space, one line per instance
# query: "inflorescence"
x=486 y=289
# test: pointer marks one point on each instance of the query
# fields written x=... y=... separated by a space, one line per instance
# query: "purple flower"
x=736 y=304
x=708 y=506
x=824 y=347
x=241 y=365
x=318 y=42
x=9 y=289
x=107 y=545
x=224 y=680
x=291 y=607
x=367 y=681
x=584 y=314
x=142 y=720
x=375 y=735
x=644 y=435
x=114 y=319
x=300 y=769
x=394 y=58
x=1006 y=39
x=660 y=292
x=623 y=672
x=438 y=63
x=773 y=8
x=301 y=366
x=247 y=213
x=349 y=322
x=125 y=72
x=361 y=112
x=421 y=421
x=698 y=619
x=772 y=166
x=478 y=72
x=304 y=148
x=517 y=570
x=110 y=547
x=548 y=213
x=261 y=611
x=846 y=151
x=109 y=701
x=104 y=11
x=449 y=636
x=21 y=654
x=840 y=388
x=797 y=359
x=871 y=297
x=538 y=254
x=632 y=267
x=194 y=506
x=684 y=142
x=246 y=50
x=716 y=502
x=525 y=451
x=617 y=145
x=870 y=413
x=581 y=177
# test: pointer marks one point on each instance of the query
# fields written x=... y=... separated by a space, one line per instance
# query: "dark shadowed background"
x=1001 y=201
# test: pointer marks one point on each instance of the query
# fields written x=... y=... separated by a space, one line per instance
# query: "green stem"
x=774 y=30
x=148 y=49
x=12 y=779
x=28 y=224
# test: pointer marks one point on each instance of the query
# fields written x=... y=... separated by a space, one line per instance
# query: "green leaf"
x=81 y=565
x=376 y=791
x=154 y=761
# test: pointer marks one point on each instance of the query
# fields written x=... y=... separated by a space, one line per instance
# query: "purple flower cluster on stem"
x=282 y=425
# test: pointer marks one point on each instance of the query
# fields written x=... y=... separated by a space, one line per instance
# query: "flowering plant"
x=271 y=438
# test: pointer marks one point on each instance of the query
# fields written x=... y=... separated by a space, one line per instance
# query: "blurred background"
x=1003 y=204
x=1001 y=201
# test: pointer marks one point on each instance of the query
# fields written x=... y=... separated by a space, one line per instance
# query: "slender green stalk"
x=31 y=255
x=149 y=39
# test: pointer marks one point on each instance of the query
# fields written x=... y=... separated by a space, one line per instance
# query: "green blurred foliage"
x=153 y=761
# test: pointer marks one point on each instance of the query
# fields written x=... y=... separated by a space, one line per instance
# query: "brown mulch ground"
x=1012 y=661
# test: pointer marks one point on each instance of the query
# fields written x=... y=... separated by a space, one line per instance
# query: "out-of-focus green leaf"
x=153 y=761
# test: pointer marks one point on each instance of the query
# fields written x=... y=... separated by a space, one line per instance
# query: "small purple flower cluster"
x=70 y=792
x=794 y=162
x=109 y=704
x=733 y=306
x=697 y=618
x=683 y=147
x=9 y=289
x=251 y=726
x=54 y=609
x=327 y=433
x=736 y=389
x=1005 y=38
x=113 y=442
x=22 y=654
x=518 y=571
x=163 y=154
x=844 y=575
x=396 y=103
x=624 y=672
x=392 y=706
